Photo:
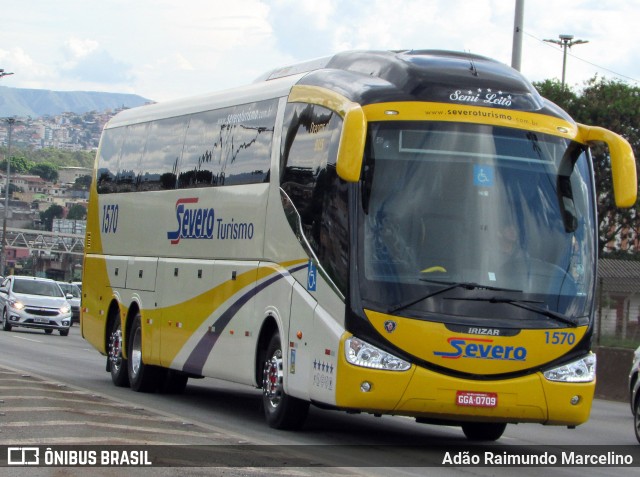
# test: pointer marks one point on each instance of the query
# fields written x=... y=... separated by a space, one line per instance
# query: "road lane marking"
x=26 y=339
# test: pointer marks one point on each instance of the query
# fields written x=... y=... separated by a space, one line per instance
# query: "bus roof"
x=369 y=77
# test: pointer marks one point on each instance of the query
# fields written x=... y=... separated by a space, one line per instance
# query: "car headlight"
x=361 y=353
x=65 y=309
x=580 y=371
x=18 y=305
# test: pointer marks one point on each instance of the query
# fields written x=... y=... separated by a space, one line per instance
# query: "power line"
x=620 y=75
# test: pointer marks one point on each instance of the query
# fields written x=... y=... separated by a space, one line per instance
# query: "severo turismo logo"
x=202 y=223
x=479 y=348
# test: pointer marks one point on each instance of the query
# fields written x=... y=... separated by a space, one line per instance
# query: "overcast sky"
x=165 y=49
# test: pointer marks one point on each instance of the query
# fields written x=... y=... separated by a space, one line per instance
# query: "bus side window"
x=247 y=155
x=131 y=153
x=157 y=170
x=108 y=159
x=308 y=176
x=228 y=146
x=201 y=164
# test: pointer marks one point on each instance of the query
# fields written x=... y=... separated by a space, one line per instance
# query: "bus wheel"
x=117 y=363
x=483 y=431
x=281 y=410
x=142 y=377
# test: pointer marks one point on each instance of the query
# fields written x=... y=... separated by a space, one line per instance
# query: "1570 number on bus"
x=109 y=218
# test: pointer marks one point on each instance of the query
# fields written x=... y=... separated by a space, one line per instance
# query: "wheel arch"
x=268 y=328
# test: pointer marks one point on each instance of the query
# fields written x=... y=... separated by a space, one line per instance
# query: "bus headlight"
x=580 y=371
x=361 y=353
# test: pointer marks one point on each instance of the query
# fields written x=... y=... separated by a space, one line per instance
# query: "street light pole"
x=566 y=41
x=3 y=258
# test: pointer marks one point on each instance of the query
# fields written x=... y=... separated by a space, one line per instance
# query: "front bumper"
x=41 y=320
x=424 y=393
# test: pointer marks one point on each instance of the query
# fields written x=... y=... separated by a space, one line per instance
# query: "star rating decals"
x=323 y=366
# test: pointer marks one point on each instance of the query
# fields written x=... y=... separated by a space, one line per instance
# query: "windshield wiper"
x=450 y=286
x=529 y=306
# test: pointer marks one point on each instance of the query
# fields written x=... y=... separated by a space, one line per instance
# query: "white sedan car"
x=32 y=302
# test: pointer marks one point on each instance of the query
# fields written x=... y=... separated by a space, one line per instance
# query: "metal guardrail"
x=51 y=242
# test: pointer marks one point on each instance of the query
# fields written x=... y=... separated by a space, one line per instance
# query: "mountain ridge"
x=25 y=102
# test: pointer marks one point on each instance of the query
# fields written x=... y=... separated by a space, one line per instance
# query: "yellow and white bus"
x=408 y=233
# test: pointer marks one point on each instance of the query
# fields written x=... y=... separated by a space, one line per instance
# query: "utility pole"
x=3 y=258
x=566 y=42
x=518 y=23
x=10 y=122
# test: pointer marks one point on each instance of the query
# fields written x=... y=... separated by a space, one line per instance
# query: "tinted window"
x=108 y=159
x=309 y=179
x=223 y=147
x=229 y=146
x=201 y=164
x=157 y=169
x=247 y=133
x=132 y=150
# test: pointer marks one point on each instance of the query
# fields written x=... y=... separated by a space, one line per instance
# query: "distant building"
x=68 y=175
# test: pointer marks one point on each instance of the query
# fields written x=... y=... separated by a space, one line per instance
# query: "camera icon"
x=23 y=456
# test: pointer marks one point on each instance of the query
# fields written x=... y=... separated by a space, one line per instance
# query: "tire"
x=636 y=419
x=280 y=410
x=483 y=431
x=64 y=332
x=6 y=326
x=142 y=377
x=48 y=331
x=116 y=363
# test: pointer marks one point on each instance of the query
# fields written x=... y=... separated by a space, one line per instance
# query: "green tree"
x=53 y=212
x=77 y=212
x=19 y=165
x=47 y=171
x=82 y=183
x=613 y=105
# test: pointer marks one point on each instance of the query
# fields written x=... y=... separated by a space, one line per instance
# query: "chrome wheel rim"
x=272 y=379
x=115 y=349
x=136 y=353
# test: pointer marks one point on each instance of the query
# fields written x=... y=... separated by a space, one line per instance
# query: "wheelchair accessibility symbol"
x=311 y=276
x=483 y=176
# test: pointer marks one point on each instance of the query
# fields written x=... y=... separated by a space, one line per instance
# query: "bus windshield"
x=459 y=222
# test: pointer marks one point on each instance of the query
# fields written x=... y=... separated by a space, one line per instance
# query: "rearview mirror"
x=623 y=163
x=351 y=147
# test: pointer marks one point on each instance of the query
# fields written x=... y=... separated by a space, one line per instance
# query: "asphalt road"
x=54 y=391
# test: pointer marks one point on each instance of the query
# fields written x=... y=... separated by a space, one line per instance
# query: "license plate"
x=41 y=320
x=474 y=399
